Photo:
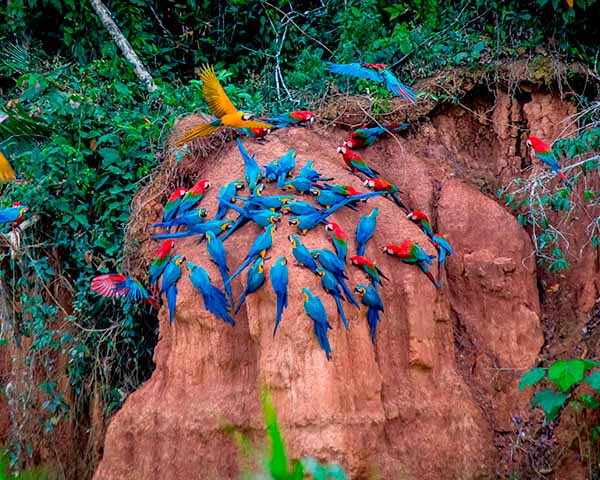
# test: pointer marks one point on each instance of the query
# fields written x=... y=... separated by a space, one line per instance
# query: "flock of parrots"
x=183 y=217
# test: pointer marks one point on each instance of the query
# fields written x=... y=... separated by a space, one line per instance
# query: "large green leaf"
x=550 y=401
x=531 y=378
x=566 y=373
x=593 y=380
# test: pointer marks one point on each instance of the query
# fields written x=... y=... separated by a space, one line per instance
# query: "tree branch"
x=140 y=70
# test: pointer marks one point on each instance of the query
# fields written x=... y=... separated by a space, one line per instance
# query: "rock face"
x=426 y=401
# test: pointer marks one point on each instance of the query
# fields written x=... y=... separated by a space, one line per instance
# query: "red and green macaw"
x=355 y=163
x=365 y=137
x=443 y=247
x=158 y=265
x=257 y=133
x=13 y=214
x=293 y=119
x=422 y=221
x=172 y=205
x=193 y=196
x=344 y=190
x=411 y=252
x=369 y=267
x=339 y=238
x=117 y=285
x=545 y=153
x=381 y=185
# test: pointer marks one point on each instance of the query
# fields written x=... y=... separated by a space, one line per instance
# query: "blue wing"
x=398 y=88
x=131 y=289
x=354 y=70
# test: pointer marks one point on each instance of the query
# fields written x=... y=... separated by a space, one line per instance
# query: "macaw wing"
x=398 y=88
x=256 y=124
x=443 y=244
x=106 y=285
x=215 y=96
x=131 y=289
x=354 y=70
x=7 y=174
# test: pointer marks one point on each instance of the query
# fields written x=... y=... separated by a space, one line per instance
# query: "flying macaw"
x=314 y=308
x=298 y=184
x=422 y=220
x=544 y=152
x=339 y=238
x=411 y=252
x=12 y=214
x=378 y=72
x=381 y=185
x=333 y=264
x=255 y=280
x=228 y=193
x=215 y=226
x=285 y=165
x=298 y=207
x=158 y=265
x=279 y=282
x=365 y=137
x=355 y=163
x=192 y=217
x=259 y=248
x=369 y=267
x=171 y=275
x=172 y=205
x=217 y=253
x=221 y=107
x=299 y=118
x=444 y=249
x=331 y=286
x=365 y=230
x=193 y=196
x=370 y=297
x=252 y=172
x=328 y=198
x=119 y=286
x=214 y=299
x=307 y=171
x=302 y=254
x=255 y=133
x=7 y=174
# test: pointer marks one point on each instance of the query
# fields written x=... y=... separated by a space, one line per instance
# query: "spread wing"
x=215 y=96
x=131 y=289
x=106 y=285
x=354 y=70
x=256 y=124
x=398 y=88
x=6 y=172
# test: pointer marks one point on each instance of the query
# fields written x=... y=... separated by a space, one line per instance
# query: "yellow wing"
x=252 y=124
x=215 y=96
x=7 y=174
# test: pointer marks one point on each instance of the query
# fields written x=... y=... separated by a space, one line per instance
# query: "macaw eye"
x=247 y=116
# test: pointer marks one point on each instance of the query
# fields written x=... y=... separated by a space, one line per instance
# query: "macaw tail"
x=195 y=131
x=242 y=298
x=240 y=270
x=7 y=174
x=397 y=127
x=348 y=293
x=321 y=333
x=165 y=236
x=171 y=302
x=360 y=249
x=279 y=313
x=222 y=210
x=152 y=302
x=216 y=303
x=398 y=202
x=225 y=275
x=565 y=179
x=440 y=280
x=338 y=302
x=429 y=274
x=373 y=319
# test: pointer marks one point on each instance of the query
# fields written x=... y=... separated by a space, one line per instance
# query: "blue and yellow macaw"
x=314 y=308
x=365 y=230
x=444 y=249
x=168 y=286
x=298 y=207
x=328 y=198
x=298 y=184
x=214 y=299
x=370 y=297
x=228 y=193
x=270 y=171
x=262 y=217
x=279 y=282
x=285 y=166
x=307 y=171
x=12 y=214
x=259 y=248
x=272 y=202
x=252 y=172
x=331 y=286
x=333 y=264
x=215 y=226
x=302 y=254
x=217 y=253
x=255 y=280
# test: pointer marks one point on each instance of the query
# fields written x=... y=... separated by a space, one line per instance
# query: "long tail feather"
x=565 y=179
x=348 y=293
x=196 y=131
x=172 y=302
x=280 y=300
x=340 y=308
x=360 y=249
x=373 y=319
x=242 y=298
x=165 y=236
x=240 y=269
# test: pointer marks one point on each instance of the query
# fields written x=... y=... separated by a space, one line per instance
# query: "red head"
x=402 y=250
x=165 y=249
x=336 y=229
x=304 y=116
x=538 y=145
x=177 y=194
x=352 y=191
x=377 y=184
x=417 y=216
x=351 y=143
x=360 y=261
x=200 y=187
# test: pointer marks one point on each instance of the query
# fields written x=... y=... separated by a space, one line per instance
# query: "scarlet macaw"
x=314 y=308
x=294 y=119
x=411 y=252
x=255 y=280
x=279 y=282
x=422 y=221
x=365 y=137
x=369 y=267
x=119 y=286
x=365 y=231
x=389 y=189
x=355 y=163
x=193 y=196
x=158 y=265
x=172 y=205
x=214 y=299
x=545 y=153
x=255 y=133
x=370 y=297
x=339 y=238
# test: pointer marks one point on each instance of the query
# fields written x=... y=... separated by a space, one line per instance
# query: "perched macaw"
x=228 y=193
x=343 y=190
x=365 y=230
x=273 y=202
x=119 y=286
x=262 y=217
x=284 y=166
x=369 y=296
x=355 y=163
x=545 y=153
x=304 y=223
x=299 y=118
x=378 y=72
x=307 y=171
x=7 y=174
x=158 y=265
x=444 y=249
x=193 y=196
x=302 y=254
x=279 y=282
x=171 y=275
x=381 y=185
x=328 y=198
x=422 y=220
x=369 y=267
x=214 y=299
x=252 y=172
x=365 y=137
x=259 y=248
x=270 y=171
x=411 y=252
x=255 y=133
x=192 y=217
x=298 y=184
x=333 y=264
x=215 y=226
x=339 y=238
x=314 y=308
x=298 y=207
x=331 y=286
x=172 y=205
x=217 y=253
x=12 y=214
x=221 y=107
x=255 y=280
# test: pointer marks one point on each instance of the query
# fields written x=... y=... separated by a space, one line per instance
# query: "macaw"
x=378 y=72
x=365 y=230
x=333 y=264
x=279 y=282
x=12 y=214
x=172 y=205
x=369 y=267
x=271 y=202
x=411 y=252
x=7 y=174
x=217 y=253
x=228 y=193
x=221 y=107
x=255 y=280
x=444 y=249
x=252 y=172
x=328 y=198
x=302 y=254
x=262 y=217
x=193 y=217
x=171 y=275
x=214 y=299
x=339 y=238
x=285 y=165
x=544 y=152
x=365 y=137
x=314 y=308
x=255 y=133
x=298 y=207
x=120 y=286
x=215 y=226
x=158 y=265
x=193 y=196
x=422 y=221
x=343 y=190
x=307 y=171
x=293 y=119
x=331 y=286
x=298 y=184
x=270 y=171
x=259 y=248
x=381 y=185
x=355 y=163
x=369 y=296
